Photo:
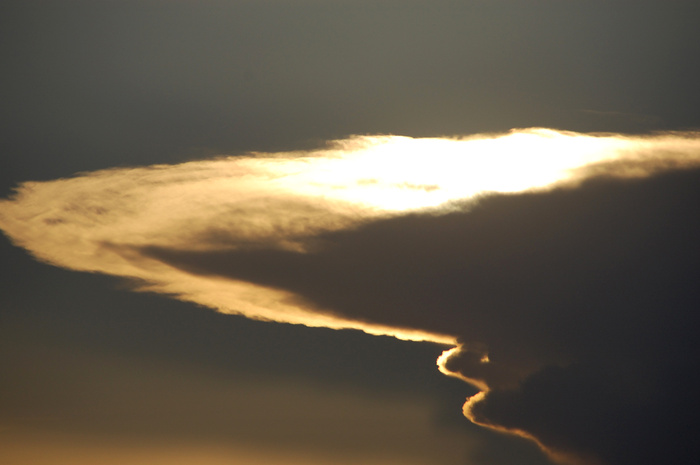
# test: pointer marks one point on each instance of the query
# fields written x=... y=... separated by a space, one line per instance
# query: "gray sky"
x=91 y=370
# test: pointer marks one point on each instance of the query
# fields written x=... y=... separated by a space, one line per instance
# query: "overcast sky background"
x=91 y=372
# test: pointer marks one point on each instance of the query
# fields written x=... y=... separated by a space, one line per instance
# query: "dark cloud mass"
x=584 y=299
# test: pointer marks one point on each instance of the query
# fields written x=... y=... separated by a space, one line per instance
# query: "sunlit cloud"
x=98 y=221
x=197 y=230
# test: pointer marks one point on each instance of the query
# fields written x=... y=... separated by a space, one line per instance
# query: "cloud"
x=564 y=266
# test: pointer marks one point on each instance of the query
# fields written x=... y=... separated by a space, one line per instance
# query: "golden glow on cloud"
x=98 y=221
x=442 y=367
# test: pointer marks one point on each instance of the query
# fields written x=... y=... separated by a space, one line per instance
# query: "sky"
x=349 y=232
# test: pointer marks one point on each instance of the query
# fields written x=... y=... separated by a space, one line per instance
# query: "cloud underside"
x=563 y=266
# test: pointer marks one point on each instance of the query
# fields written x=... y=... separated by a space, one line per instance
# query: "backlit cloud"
x=549 y=258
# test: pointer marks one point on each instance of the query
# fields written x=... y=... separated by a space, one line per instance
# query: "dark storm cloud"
x=584 y=300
